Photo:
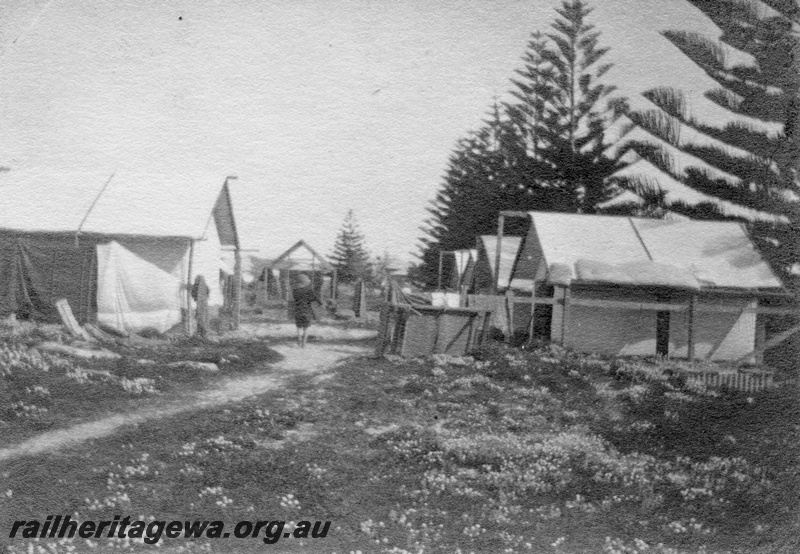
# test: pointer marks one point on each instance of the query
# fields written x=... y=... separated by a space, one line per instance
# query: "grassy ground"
x=511 y=451
x=42 y=391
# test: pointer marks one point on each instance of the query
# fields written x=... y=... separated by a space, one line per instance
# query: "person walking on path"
x=304 y=299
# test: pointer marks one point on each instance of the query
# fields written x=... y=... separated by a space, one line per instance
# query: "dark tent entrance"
x=37 y=270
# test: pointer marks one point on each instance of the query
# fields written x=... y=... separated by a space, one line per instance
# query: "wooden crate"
x=420 y=330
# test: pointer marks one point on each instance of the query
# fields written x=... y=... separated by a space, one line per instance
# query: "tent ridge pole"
x=94 y=202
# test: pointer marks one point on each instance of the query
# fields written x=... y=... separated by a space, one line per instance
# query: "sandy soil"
x=315 y=358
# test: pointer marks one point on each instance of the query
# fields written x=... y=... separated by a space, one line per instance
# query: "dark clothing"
x=200 y=294
x=304 y=298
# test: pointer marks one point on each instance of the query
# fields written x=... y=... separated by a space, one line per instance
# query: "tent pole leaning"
x=496 y=282
x=188 y=322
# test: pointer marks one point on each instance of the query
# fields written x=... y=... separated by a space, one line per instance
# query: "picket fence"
x=741 y=381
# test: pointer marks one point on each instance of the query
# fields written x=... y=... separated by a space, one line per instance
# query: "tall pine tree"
x=350 y=257
x=545 y=149
x=750 y=166
x=562 y=110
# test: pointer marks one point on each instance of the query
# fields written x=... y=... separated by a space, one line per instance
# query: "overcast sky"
x=317 y=106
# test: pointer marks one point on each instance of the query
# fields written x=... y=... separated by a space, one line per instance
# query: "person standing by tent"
x=304 y=299
x=200 y=295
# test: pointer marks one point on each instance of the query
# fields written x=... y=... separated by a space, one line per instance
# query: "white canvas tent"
x=634 y=286
x=123 y=248
x=486 y=273
x=461 y=268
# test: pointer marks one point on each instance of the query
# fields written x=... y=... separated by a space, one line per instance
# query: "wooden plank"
x=458 y=336
x=774 y=341
x=69 y=321
x=545 y=300
x=627 y=305
x=655 y=306
x=98 y=333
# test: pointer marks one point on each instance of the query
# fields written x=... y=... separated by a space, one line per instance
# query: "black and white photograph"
x=400 y=277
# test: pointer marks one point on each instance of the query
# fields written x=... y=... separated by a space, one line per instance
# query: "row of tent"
x=124 y=249
x=629 y=286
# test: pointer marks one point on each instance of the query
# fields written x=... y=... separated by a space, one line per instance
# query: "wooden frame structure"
x=285 y=264
x=420 y=330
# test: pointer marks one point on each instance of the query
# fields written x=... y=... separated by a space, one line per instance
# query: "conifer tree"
x=545 y=149
x=350 y=257
x=562 y=110
x=743 y=167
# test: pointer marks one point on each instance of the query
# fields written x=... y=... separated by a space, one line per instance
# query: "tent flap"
x=37 y=271
x=134 y=293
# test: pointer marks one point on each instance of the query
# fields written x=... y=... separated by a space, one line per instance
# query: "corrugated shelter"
x=634 y=286
x=484 y=272
x=123 y=248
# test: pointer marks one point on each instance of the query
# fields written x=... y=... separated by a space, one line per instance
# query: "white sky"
x=317 y=106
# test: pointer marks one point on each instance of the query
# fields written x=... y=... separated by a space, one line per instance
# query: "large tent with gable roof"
x=123 y=248
x=637 y=286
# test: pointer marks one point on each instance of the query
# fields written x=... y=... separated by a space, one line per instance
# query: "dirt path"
x=315 y=358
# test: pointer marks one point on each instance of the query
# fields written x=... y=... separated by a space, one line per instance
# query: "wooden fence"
x=741 y=381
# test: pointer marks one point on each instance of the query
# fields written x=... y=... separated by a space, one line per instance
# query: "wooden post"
x=500 y=225
x=761 y=337
x=565 y=318
x=287 y=285
x=188 y=323
x=532 y=322
x=510 y=314
x=692 y=321
x=236 y=308
x=439 y=278
x=774 y=341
